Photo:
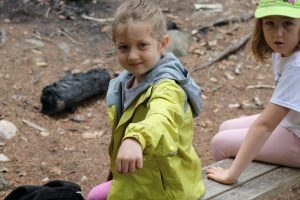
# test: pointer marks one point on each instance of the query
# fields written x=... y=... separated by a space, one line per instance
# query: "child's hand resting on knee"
x=130 y=156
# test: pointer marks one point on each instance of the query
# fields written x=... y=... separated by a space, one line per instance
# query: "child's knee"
x=95 y=194
x=226 y=125
x=99 y=192
x=92 y=195
x=217 y=146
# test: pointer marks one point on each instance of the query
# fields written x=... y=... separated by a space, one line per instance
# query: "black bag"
x=53 y=190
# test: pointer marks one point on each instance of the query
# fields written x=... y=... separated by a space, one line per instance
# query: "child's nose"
x=133 y=54
x=279 y=31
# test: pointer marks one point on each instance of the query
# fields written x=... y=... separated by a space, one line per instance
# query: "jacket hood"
x=169 y=67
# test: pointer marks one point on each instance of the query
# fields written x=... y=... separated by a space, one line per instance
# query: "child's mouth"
x=279 y=43
x=134 y=64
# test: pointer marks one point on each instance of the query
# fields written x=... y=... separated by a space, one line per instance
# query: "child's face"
x=137 y=50
x=282 y=34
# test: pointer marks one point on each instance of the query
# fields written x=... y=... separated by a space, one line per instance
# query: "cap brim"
x=283 y=11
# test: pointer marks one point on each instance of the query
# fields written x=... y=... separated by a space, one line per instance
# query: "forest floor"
x=40 y=40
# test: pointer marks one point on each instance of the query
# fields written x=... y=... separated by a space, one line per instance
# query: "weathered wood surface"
x=259 y=181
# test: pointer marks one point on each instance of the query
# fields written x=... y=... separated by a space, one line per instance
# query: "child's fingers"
x=139 y=164
x=131 y=167
x=220 y=175
x=213 y=173
x=124 y=167
x=119 y=166
x=211 y=170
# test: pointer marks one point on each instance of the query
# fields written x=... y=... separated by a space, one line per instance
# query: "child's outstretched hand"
x=130 y=156
x=220 y=175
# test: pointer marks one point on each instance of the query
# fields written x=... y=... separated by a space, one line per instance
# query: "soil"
x=72 y=43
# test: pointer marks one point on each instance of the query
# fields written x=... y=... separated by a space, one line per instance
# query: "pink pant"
x=99 y=192
x=283 y=147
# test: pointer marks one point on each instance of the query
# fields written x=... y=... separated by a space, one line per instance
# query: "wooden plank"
x=264 y=187
x=254 y=170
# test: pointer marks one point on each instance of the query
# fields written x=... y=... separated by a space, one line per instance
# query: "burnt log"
x=72 y=89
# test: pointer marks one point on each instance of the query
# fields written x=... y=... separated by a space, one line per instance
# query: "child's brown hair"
x=259 y=46
x=140 y=11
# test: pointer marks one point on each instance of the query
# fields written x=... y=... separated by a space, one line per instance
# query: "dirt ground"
x=41 y=40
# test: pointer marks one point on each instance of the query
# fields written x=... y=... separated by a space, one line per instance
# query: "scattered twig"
x=217 y=7
x=252 y=106
x=226 y=52
x=260 y=87
x=36 y=76
x=65 y=33
x=216 y=88
x=39 y=37
x=70 y=172
x=210 y=70
x=2 y=116
x=97 y=19
x=231 y=30
x=258 y=101
x=33 y=125
x=2 y=36
x=226 y=21
x=233 y=19
x=47 y=12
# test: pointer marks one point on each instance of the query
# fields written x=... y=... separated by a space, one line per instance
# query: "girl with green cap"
x=274 y=135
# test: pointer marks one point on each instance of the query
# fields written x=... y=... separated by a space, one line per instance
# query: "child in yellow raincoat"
x=151 y=107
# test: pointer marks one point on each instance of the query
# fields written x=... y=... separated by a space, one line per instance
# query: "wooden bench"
x=259 y=181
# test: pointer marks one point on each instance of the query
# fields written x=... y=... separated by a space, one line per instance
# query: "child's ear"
x=164 y=43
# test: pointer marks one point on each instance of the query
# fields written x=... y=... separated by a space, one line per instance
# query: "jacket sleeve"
x=158 y=132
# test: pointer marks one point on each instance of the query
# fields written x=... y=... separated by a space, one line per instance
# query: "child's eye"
x=122 y=48
x=269 y=23
x=288 y=24
x=142 y=45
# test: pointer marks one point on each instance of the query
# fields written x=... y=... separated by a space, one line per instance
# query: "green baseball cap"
x=278 y=7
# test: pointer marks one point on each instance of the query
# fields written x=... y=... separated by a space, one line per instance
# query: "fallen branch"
x=216 y=7
x=97 y=19
x=226 y=52
x=33 y=125
x=226 y=21
x=65 y=33
x=2 y=116
x=260 y=87
x=47 y=12
x=233 y=19
x=39 y=37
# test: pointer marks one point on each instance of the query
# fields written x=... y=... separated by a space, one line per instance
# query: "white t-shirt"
x=287 y=90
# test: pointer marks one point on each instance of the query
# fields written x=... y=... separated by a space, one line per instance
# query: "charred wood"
x=73 y=89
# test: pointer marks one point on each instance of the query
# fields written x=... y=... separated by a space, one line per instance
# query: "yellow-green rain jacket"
x=160 y=117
